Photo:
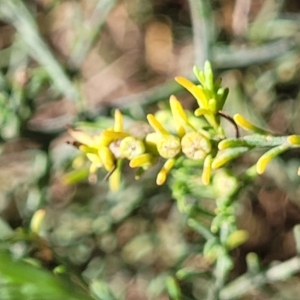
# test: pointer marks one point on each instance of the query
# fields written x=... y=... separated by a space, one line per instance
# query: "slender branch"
x=245 y=283
x=16 y=13
x=202 y=34
x=231 y=120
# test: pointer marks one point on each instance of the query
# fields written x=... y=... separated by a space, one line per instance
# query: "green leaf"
x=173 y=288
x=227 y=155
x=20 y=280
x=268 y=156
x=102 y=290
x=76 y=176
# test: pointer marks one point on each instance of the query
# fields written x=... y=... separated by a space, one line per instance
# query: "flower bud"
x=144 y=160
x=195 y=145
x=163 y=173
x=131 y=147
x=168 y=146
x=107 y=158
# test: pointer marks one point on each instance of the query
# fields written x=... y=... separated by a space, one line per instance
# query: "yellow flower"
x=168 y=145
x=196 y=90
x=100 y=149
x=163 y=173
x=195 y=144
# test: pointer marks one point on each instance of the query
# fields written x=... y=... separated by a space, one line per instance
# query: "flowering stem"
x=231 y=120
x=245 y=283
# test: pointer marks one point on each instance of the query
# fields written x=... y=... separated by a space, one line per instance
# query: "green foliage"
x=207 y=146
x=67 y=233
x=22 y=280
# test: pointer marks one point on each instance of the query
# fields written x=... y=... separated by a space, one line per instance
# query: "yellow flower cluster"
x=113 y=145
x=208 y=144
x=104 y=150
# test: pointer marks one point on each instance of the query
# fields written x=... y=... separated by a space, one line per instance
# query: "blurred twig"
x=90 y=30
x=245 y=283
x=202 y=30
x=152 y=95
x=225 y=58
x=16 y=13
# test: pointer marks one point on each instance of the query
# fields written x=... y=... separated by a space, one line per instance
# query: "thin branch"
x=202 y=24
x=231 y=120
x=245 y=283
x=16 y=13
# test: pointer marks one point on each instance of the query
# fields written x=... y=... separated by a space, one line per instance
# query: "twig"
x=202 y=30
x=152 y=95
x=245 y=283
x=225 y=58
x=89 y=31
x=16 y=13
x=231 y=120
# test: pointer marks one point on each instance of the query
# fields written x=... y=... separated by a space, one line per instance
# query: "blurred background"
x=75 y=61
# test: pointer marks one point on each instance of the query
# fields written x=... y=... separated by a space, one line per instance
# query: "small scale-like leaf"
x=206 y=170
x=163 y=173
x=232 y=143
x=227 y=155
x=245 y=124
x=209 y=76
x=76 y=176
x=255 y=140
x=294 y=139
x=221 y=97
x=236 y=239
x=156 y=125
x=118 y=127
x=173 y=288
x=268 y=156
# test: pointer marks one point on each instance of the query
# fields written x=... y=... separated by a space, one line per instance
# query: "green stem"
x=205 y=232
x=245 y=283
x=202 y=24
x=254 y=140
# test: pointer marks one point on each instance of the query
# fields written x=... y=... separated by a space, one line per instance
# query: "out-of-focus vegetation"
x=73 y=62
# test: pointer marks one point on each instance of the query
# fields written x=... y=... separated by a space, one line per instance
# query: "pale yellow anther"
x=178 y=111
x=294 y=139
x=94 y=158
x=195 y=90
x=236 y=239
x=37 y=220
x=163 y=173
x=180 y=118
x=245 y=124
x=184 y=82
x=96 y=162
x=145 y=160
x=206 y=170
x=156 y=125
x=87 y=149
x=114 y=180
x=108 y=136
x=81 y=137
x=118 y=127
x=268 y=156
x=107 y=158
